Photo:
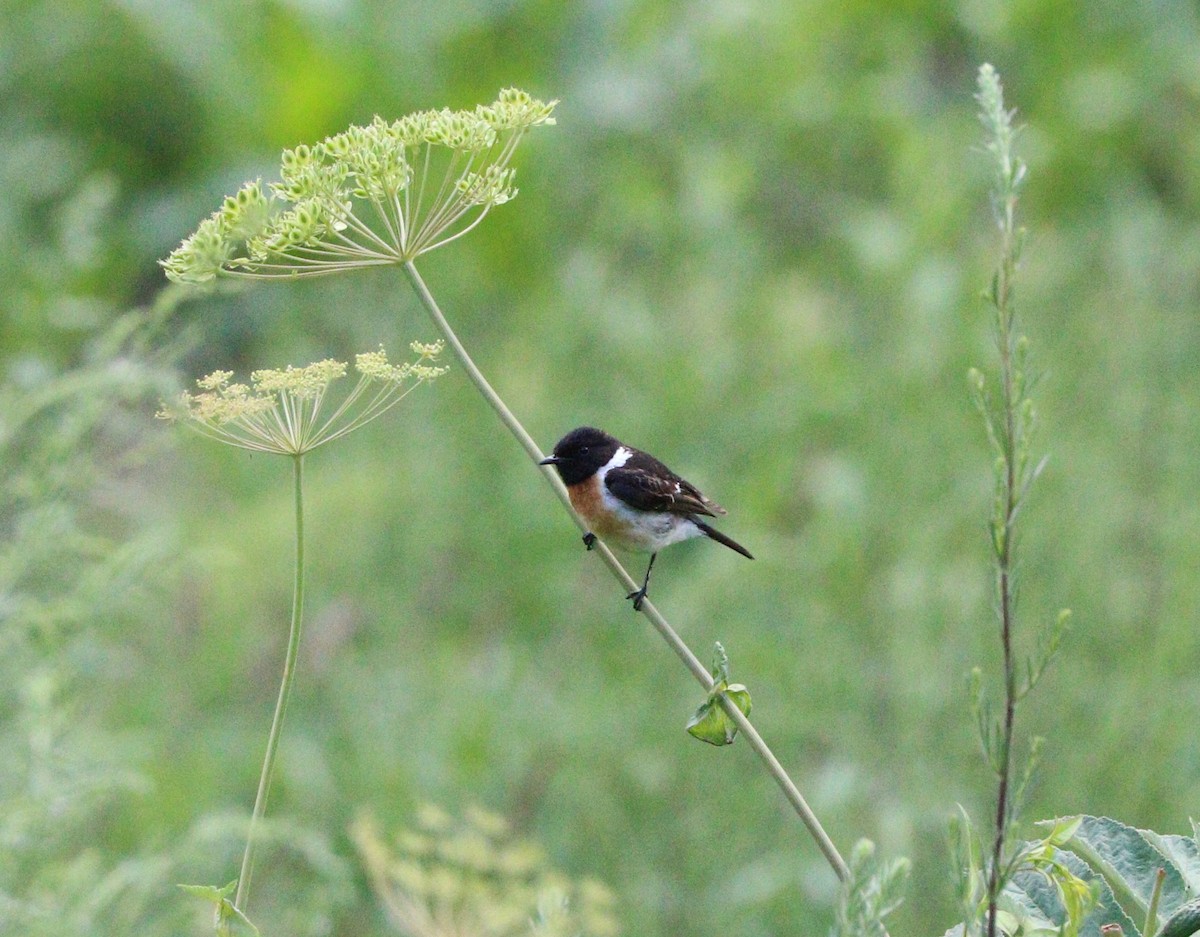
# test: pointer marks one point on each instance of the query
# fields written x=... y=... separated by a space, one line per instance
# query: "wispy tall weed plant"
x=1009 y=416
x=1085 y=875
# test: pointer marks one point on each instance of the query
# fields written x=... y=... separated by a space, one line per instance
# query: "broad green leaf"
x=1032 y=901
x=1129 y=862
x=1034 y=890
x=740 y=697
x=1182 y=852
x=1007 y=923
x=1183 y=923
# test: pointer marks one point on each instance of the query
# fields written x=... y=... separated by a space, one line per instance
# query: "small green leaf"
x=1049 y=640
x=710 y=724
x=720 y=665
x=740 y=697
x=989 y=729
x=210 y=892
x=228 y=921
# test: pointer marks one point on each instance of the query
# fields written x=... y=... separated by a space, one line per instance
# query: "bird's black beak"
x=550 y=460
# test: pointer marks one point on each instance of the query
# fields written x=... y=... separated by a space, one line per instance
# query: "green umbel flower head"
x=380 y=194
x=285 y=411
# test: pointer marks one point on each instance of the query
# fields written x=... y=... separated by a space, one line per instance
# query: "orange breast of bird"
x=588 y=499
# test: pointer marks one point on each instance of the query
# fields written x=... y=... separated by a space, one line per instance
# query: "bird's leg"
x=589 y=540
x=639 y=595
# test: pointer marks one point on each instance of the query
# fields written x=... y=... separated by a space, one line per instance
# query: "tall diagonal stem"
x=285 y=688
x=790 y=791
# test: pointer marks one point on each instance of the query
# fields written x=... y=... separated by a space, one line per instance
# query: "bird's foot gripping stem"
x=639 y=595
x=589 y=540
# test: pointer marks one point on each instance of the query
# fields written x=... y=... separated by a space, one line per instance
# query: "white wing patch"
x=620 y=457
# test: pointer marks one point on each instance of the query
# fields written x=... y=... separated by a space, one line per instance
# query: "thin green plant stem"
x=285 y=688
x=661 y=625
x=1004 y=556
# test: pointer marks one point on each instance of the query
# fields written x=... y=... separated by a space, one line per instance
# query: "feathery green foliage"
x=72 y=577
x=874 y=889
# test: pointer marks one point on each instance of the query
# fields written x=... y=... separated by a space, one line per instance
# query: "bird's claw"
x=638 y=596
x=589 y=540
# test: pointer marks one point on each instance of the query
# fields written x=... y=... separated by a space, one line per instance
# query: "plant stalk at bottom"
x=285 y=688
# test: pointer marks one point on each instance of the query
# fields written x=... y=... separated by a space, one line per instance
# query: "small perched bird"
x=631 y=499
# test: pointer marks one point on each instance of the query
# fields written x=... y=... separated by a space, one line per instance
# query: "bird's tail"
x=716 y=535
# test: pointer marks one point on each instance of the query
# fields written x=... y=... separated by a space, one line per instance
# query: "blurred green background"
x=754 y=244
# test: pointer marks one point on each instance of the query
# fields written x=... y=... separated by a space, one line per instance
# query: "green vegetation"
x=753 y=244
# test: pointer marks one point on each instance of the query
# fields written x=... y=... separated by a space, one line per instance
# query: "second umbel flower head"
x=287 y=411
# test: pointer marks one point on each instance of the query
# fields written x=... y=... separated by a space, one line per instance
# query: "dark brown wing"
x=646 y=484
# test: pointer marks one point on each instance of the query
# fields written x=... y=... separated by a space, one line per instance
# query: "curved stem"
x=285 y=688
x=661 y=625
